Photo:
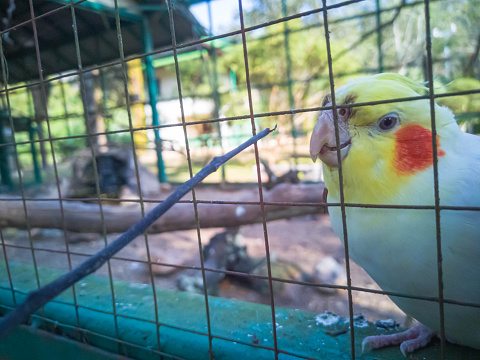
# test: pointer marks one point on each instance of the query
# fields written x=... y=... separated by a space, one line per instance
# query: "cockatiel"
x=387 y=158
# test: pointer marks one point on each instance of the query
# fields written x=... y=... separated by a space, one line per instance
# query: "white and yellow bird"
x=387 y=158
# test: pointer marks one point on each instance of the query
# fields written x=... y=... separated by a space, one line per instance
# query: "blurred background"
x=85 y=116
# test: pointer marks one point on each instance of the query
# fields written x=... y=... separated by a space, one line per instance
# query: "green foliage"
x=455 y=37
x=195 y=76
x=269 y=69
x=288 y=65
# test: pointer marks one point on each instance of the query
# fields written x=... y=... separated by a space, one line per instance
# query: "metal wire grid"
x=184 y=125
x=340 y=180
x=230 y=118
x=290 y=112
x=123 y=344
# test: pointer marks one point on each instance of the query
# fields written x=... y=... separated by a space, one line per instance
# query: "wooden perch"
x=81 y=217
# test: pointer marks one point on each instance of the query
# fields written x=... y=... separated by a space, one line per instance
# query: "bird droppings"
x=327 y=319
x=239 y=211
x=359 y=321
x=388 y=324
x=124 y=306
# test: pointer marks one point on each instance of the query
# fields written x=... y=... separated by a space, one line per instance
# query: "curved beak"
x=323 y=143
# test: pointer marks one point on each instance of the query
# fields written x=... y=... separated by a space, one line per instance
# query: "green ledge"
x=90 y=332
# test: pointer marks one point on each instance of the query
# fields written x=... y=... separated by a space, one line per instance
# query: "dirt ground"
x=298 y=244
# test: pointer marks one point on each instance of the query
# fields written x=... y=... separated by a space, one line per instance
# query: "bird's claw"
x=410 y=340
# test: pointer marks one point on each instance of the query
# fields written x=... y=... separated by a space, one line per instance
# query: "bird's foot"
x=410 y=340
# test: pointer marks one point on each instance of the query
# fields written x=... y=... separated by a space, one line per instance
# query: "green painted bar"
x=32 y=130
x=105 y=9
x=152 y=96
x=297 y=330
x=4 y=168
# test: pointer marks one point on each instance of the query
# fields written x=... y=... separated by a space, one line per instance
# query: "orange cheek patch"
x=413 y=150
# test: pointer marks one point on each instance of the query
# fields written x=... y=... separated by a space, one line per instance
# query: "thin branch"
x=38 y=298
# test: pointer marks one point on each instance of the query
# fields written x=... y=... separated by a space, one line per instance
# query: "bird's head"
x=382 y=146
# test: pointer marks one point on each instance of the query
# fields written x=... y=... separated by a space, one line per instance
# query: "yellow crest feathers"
x=419 y=88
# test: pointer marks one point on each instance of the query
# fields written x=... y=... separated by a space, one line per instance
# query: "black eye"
x=388 y=122
x=342 y=112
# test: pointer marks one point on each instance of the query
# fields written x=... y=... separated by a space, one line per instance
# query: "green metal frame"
x=4 y=167
x=5 y=171
x=152 y=97
x=32 y=130
x=291 y=100
x=100 y=8
x=215 y=92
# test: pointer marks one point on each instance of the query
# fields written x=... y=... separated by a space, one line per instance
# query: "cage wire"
x=110 y=112
x=78 y=77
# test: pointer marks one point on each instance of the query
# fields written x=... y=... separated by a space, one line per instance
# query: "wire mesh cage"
x=108 y=105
